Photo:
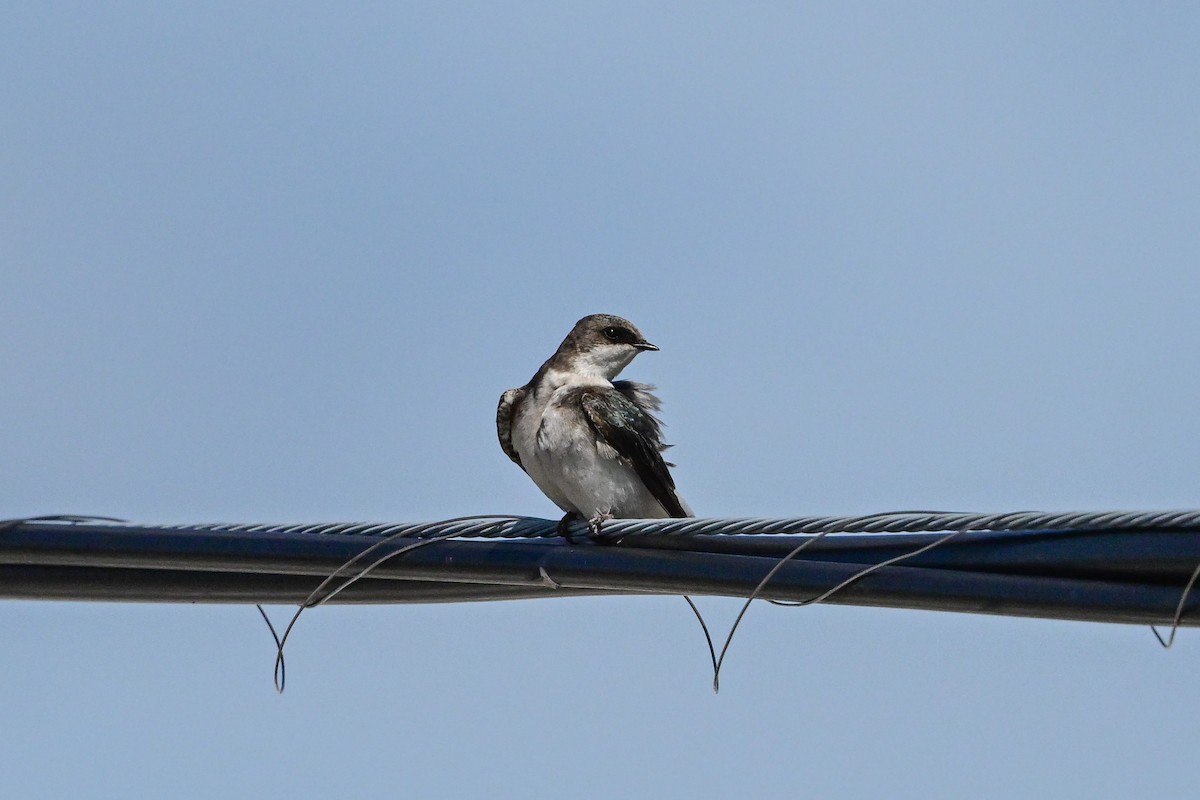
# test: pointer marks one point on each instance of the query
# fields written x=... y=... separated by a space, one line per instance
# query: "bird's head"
x=602 y=345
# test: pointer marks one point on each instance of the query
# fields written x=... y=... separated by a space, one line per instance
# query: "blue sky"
x=276 y=263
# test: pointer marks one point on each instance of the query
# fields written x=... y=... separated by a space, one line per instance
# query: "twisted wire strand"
x=890 y=522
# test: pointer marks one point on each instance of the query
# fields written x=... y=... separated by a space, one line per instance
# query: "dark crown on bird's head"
x=597 y=330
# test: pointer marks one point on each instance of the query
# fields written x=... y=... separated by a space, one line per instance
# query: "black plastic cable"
x=1115 y=566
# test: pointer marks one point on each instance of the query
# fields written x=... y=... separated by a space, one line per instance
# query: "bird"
x=591 y=443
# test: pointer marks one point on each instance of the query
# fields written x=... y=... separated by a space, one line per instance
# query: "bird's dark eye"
x=613 y=334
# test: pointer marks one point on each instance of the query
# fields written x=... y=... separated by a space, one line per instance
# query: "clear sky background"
x=277 y=263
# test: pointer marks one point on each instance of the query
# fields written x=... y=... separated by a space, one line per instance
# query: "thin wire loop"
x=1187 y=590
x=821 y=597
x=312 y=602
x=712 y=653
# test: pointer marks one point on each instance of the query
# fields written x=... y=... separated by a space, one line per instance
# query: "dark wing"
x=636 y=436
x=509 y=401
x=642 y=395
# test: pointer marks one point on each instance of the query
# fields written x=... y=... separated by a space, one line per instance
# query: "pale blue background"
x=277 y=263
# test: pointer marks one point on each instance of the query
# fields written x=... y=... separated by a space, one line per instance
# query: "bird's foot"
x=595 y=524
x=564 y=525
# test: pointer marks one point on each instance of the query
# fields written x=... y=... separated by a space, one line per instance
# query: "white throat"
x=602 y=363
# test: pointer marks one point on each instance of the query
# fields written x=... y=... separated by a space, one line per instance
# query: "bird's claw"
x=595 y=524
x=564 y=526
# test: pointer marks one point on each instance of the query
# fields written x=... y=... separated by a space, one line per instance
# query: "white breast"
x=526 y=424
x=560 y=453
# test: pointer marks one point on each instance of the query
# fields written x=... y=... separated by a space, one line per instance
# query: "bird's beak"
x=644 y=345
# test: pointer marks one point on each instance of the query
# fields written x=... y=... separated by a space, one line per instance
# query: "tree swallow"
x=592 y=444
